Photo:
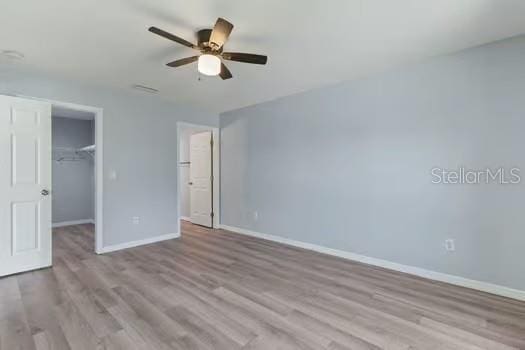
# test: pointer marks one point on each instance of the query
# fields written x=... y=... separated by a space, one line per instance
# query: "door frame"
x=99 y=161
x=216 y=169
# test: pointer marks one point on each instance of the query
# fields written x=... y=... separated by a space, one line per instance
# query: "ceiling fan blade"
x=171 y=37
x=220 y=33
x=225 y=72
x=183 y=61
x=245 y=57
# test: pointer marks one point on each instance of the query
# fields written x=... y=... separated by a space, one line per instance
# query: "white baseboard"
x=433 y=275
x=185 y=218
x=140 y=242
x=71 y=223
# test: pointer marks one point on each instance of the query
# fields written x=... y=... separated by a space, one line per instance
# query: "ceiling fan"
x=210 y=44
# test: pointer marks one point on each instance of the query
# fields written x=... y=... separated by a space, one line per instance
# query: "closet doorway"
x=73 y=174
x=76 y=192
x=198 y=174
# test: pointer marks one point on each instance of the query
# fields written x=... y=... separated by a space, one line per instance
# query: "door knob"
x=44 y=192
x=190 y=183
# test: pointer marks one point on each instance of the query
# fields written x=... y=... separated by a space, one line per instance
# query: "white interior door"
x=25 y=181
x=201 y=209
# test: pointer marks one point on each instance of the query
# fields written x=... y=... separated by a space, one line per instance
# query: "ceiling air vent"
x=145 y=89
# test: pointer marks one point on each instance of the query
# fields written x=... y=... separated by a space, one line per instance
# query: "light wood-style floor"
x=212 y=289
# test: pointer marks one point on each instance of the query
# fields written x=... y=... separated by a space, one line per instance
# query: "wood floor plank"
x=139 y=330
x=43 y=341
x=46 y=330
x=202 y=331
x=213 y=289
x=94 y=312
x=120 y=340
x=227 y=325
x=162 y=324
x=14 y=329
x=338 y=336
x=78 y=332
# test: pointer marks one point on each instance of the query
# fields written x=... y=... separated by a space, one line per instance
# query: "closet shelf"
x=90 y=148
x=69 y=154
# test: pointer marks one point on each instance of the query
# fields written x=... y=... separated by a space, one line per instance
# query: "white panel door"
x=25 y=181
x=201 y=179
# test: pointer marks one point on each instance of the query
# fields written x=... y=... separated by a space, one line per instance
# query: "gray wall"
x=140 y=144
x=73 y=181
x=349 y=166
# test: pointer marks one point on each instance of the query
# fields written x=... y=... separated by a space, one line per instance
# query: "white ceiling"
x=310 y=43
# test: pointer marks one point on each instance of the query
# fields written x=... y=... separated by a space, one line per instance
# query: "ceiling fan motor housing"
x=203 y=37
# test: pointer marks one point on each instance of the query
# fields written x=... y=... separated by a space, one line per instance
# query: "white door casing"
x=25 y=175
x=201 y=179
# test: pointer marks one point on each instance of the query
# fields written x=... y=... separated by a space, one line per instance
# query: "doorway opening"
x=198 y=174
x=77 y=172
x=73 y=172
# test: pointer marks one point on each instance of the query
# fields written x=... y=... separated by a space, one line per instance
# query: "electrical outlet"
x=450 y=245
x=135 y=220
x=255 y=215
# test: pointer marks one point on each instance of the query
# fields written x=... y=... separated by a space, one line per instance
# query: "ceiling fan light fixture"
x=209 y=64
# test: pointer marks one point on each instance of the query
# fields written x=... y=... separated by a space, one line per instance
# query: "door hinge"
x=212 y=214
x=211 y=142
